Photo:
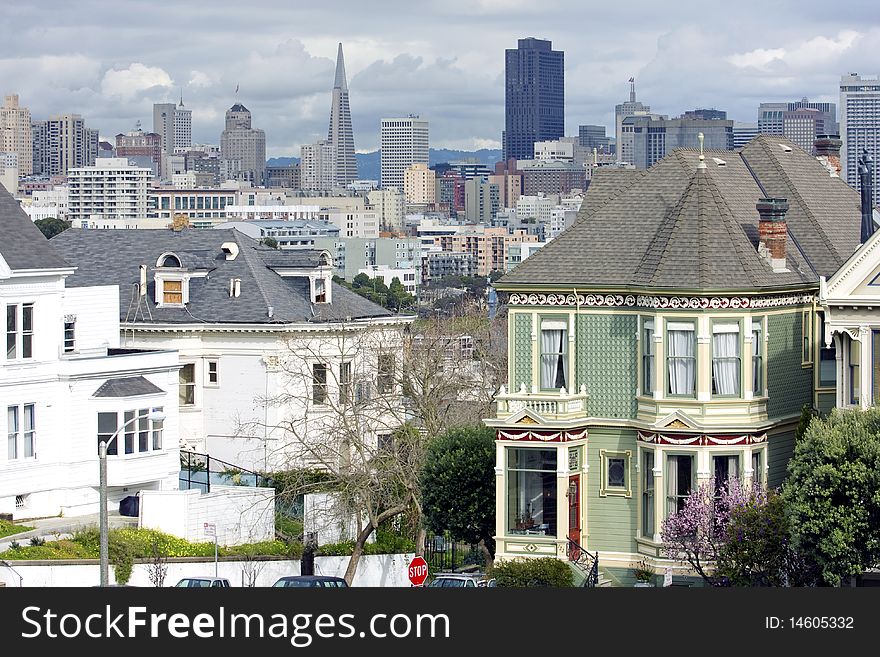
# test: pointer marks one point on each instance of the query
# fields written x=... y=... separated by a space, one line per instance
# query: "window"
x=554 y=363
x=615 y=473
x=212 y=372
x=757 y=467
x=20 y=331
x=107 y=425
x=69 y=335
x=319 y=383
x=157 y=429
x=187 y=381
x=725 y=360
x=807 y=335
x=648 y=493
x=725 y=467
x=320 y=290
x=21 y=432
x=12 y=429
x=172 y=292
x=344 y=383
x=854 y=369
x=531 y=491
x=757 y=357
x=143 y=431
x=681 y=358
x=29 y=431
x=647 y=357
x=128 y=439
x=385 y=377
x=384 y=443
x=679 y=481
x=827 y=359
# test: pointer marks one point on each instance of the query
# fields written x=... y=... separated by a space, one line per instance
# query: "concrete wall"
x=386 y=570
x=239 y=514
x=323 y=516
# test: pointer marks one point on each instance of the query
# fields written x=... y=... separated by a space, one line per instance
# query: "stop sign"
x=418 y=571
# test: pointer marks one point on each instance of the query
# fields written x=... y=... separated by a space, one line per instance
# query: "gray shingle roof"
x=113 y=257
x=673 y=226
x=127 y=386
x=23 y=245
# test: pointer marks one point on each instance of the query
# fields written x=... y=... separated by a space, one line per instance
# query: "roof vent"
x=719 y=161
x=230 y=249
x=234 y=287
x=785 y=148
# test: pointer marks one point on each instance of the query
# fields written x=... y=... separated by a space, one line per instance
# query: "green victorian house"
x=669 y=336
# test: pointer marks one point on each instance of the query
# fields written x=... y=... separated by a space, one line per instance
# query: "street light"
x=20 y=578
x=155 y=416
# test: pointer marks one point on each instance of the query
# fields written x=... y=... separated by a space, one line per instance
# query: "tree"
x=51 y=226
x=361 y=280
x=697 y=533
x=833 y=494
x=398 y=297
x=271 y=242
x=157 y=569
x=458 y=487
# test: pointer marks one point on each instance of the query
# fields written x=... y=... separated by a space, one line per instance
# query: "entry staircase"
x=585 y=567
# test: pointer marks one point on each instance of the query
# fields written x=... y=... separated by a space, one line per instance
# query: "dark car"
x=307 y=581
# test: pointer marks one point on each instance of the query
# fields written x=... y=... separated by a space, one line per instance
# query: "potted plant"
x=644 y=574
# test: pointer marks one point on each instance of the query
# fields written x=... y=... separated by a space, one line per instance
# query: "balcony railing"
x=552 y=405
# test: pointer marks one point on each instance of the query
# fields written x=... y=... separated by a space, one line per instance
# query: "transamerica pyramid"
x=340 y=135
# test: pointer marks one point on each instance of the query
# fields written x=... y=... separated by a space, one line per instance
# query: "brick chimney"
x=773 y=231
x=827 y=148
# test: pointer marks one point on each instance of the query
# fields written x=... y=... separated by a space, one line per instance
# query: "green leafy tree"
x=51 y=226
x=271 y=242
x=833 y=494
x=458 y=486
x=361 y=280
x=398 y=297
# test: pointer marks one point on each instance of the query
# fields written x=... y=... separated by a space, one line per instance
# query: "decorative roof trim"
x=660 y=302
x=541 y=436
x=701 y=440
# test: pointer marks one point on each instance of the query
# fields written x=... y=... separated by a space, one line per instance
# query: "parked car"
x=461 y=580
x=203 y=583
x=302 y=581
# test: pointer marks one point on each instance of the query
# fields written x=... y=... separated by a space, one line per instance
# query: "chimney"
x=827 y=148
x=866 y=185
x=773 y=231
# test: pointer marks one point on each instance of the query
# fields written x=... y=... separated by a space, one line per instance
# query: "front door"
x=574 y=508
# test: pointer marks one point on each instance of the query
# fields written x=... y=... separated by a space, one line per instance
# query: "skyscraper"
x=534 y=97
x=860 y=126
x=61 y=143
x=403 y=142
x=15 y=133
x=801 y=121
x=632 y=107
x=243 y=147
x=340 y=135
x=182 y=127
x=163 y=124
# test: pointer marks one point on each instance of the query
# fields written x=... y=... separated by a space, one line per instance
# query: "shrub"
x=37 y=541
x=542 y=572
x=8 y=528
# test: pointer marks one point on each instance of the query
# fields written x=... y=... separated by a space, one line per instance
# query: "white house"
x=66 y=384
x=270 y=347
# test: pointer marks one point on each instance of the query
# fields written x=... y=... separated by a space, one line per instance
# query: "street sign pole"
x=211 y=530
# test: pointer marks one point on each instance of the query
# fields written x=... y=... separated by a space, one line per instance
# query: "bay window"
x=554 y=360
x=758 y=467
x=757 y=357
x=679 y=481
x=725 y=467
x=648 y=493
x=139 y=434
x=681 y=358
x=647 y=357
x=531 y=491
x=855 y=355
x=725 y=360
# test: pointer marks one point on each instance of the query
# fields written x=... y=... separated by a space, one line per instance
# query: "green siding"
x=780 y=450
x=607 y=363
x=522 y=352
x=790 y=385
x=612 y=519
x=827 y=401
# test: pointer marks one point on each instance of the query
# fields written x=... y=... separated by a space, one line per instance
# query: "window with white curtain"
x=679 y=481
x=647 y=356
x=554 y=360
x=681 y=358
x=725 y=360
x=757 y=466
x=725 y=468
x=854 y=372
x=757 y=357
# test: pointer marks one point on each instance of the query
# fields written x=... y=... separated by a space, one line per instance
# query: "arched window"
x=168 y=260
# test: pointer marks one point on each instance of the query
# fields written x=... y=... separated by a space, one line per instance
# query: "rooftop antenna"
x=702 y=164
x=181 y=97
x=632 y=90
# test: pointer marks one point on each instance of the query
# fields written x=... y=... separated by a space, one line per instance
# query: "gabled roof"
x=673 y=226
x=23 y=245
x=113 y=257
x=127 y=386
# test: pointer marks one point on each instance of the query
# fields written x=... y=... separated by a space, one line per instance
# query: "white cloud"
x=200 y=80
x=758 y=58
x=804 y=54
x=134 y=80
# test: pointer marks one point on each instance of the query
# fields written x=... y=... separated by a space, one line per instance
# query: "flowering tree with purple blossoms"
x=697 y=533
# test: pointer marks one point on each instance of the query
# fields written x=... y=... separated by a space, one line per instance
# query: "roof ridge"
x=249 y=252
x=793 y=192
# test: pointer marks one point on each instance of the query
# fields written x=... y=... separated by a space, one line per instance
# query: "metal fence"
x=443 y=553
x=200 y=471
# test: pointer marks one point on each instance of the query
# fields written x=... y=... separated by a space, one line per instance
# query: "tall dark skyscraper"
x=534 y=97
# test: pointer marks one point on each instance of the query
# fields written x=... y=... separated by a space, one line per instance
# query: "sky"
x=110 y=61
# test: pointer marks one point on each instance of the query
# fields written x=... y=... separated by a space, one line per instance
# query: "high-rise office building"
x=243 y=147
x=16 y=135
x=801 y=121
x=860 y=126
x=632 y=107
x=317 y=166
x=340 y=135
x=403 y=142
x=142 y=148
x=419 y=184
x=61 y=143
x=706 y=114
x=534 y=99
x=163 y=124
x=653 y=138
x=182 y=128
x=743 y=133
x=111 y=190
x=593 y=136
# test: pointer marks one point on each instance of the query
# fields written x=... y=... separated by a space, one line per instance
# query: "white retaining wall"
x=386 y=570
x=240 y=514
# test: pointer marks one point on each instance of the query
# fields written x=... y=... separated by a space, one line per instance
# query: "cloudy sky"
x=110 y=60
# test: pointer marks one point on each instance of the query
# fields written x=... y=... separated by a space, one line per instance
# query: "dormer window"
x=320 y=290
x=171 y=281
x=172 y=292
x=169 y=260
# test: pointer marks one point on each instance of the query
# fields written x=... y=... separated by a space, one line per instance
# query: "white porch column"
x=501 y=504
x=561 y=499
x=704 y=358
x=866 y=392
x=659 y=358
x=748 y=474
x=748 y=379
x=840 y=382
x=659 y=492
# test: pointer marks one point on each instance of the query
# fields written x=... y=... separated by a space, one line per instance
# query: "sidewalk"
x=47 y=528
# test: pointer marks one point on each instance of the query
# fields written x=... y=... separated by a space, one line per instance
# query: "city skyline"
x=454 y=77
